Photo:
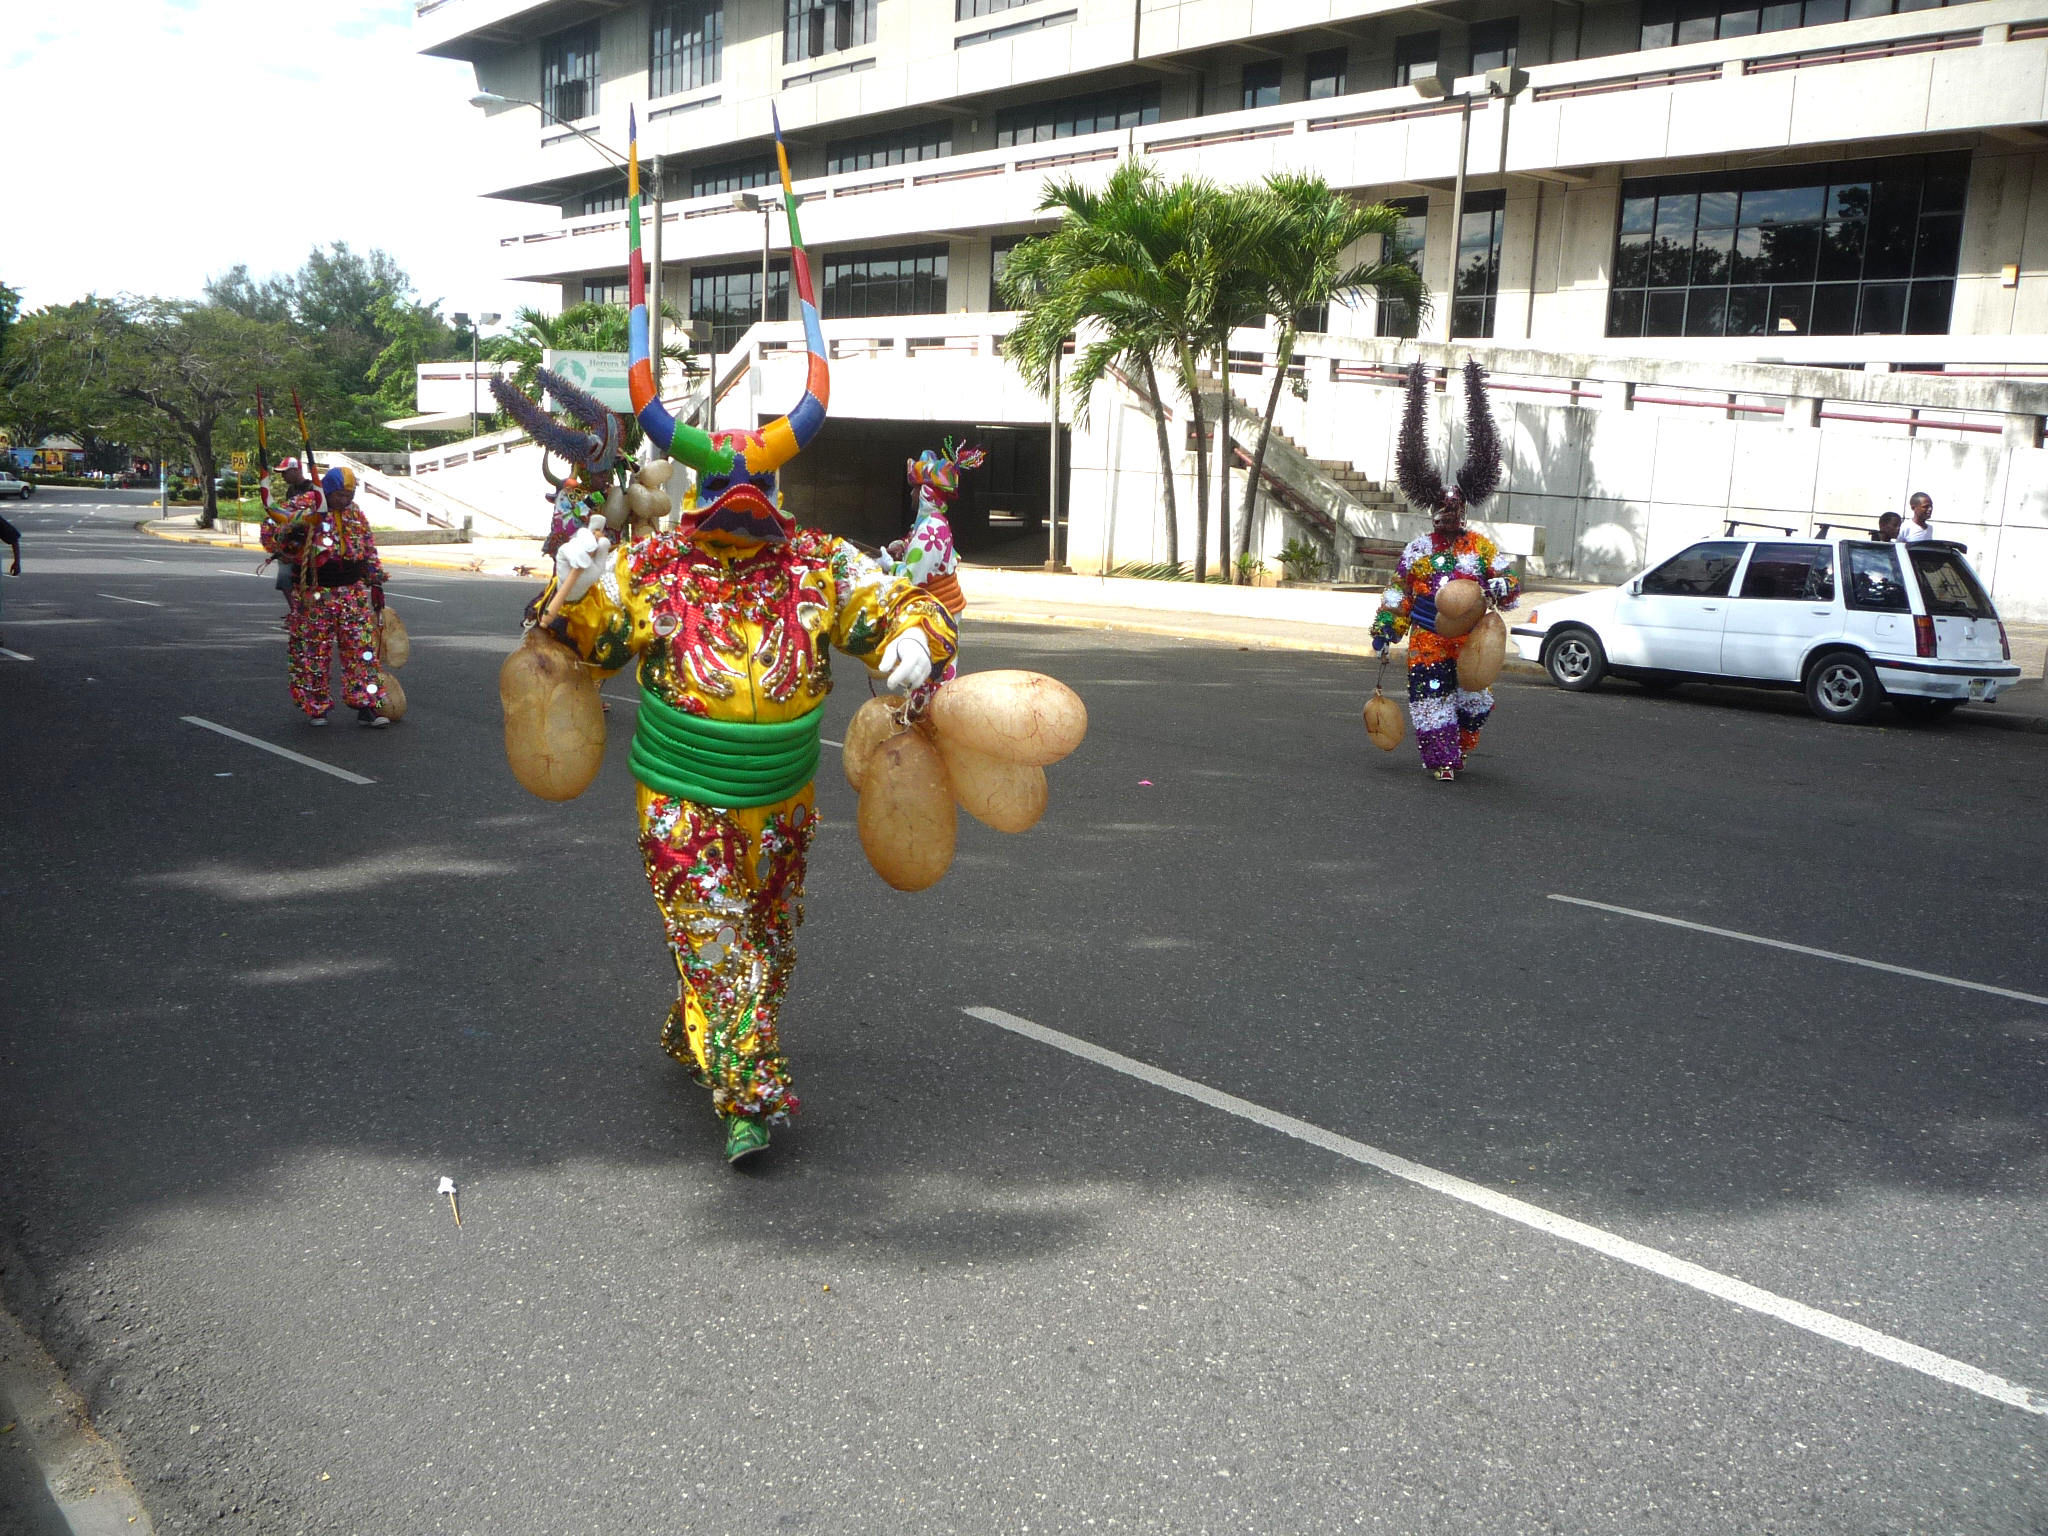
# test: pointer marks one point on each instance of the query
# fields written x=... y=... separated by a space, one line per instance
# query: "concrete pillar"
x=2023 y=431
x=1802 y=412
x=1617 y=394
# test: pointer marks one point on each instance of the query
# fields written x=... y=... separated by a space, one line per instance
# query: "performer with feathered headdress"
x=1447 y=716
x=730 y=615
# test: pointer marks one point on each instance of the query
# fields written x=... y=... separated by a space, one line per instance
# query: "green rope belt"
x=728 y=763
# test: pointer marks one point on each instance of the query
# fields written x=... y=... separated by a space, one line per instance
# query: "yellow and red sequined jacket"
x=730 y=630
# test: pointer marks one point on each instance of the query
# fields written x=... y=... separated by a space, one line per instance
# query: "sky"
x=179 y=137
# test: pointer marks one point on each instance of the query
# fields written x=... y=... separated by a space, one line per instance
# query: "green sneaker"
x=743 y=1138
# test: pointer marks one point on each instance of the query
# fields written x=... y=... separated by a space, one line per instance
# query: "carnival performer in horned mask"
x=1447 y=717
x=730 y=615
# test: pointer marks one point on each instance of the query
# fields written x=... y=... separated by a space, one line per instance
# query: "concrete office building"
x=1784 y=262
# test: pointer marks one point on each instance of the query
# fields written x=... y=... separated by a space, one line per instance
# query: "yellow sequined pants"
x=730 y=886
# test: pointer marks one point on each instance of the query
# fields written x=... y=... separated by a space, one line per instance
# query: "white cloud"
x=176 y=139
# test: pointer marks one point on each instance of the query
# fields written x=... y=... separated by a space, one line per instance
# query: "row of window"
x=1668 y=22
x=1805 y=573
x=853 y=286
x=1855 y=247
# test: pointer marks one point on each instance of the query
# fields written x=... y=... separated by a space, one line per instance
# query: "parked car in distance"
x=10 y=485
x=1852 y=622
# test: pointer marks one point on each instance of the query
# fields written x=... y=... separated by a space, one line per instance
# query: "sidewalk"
x=1249 y=617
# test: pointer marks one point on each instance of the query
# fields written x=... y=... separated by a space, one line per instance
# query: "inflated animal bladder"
x=554 y=720
x=1007 y=796
x=1485 y=653
x=655 y=472
x=1385 y=721
x=1020 y=717
x=1459 y=603
x=907 y=821
x=394 y=645
x=646 y=504
x=873 y=723
x=390 y=696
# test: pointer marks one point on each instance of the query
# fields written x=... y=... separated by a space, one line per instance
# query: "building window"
x=1325 y=73
x=1036 y=122
x=1414 y=57
x=1478 y=277
x=734 y=176
x=568 y=73
x=604 y=290
x=1262 y=84
x=685 y=46
x=730 y=298
x=1493 y=44
x=611 y=200
x=1668 y=22
x=999 y=257
x=908 y=281
x=904 y=146
x=1860 y=247
x=1397 y=317
x=813 y=28
x=967 y=10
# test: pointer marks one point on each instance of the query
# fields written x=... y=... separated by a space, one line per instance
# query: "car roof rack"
x=1743 y=522
x=1820 y=530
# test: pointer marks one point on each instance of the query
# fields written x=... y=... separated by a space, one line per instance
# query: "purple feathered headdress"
x=1479 y=477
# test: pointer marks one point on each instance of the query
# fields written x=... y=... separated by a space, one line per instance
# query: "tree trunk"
x=1192 y=378
x=1223 y=413
x=203 y=463
x=1282 y=356
x=1167 y=496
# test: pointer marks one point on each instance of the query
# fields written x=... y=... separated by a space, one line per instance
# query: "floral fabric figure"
x=335 y=595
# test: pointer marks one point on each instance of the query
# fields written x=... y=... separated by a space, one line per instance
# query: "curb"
x=55 y=1466
x=171 y=536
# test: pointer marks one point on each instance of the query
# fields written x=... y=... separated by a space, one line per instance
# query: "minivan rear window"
x=1875 y=585
x=1948 y=584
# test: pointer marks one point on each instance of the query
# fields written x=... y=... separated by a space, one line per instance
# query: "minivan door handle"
x=1710 y=608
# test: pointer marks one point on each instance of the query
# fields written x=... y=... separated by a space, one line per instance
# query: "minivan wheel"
x=1575 y=660
x=1842 y=687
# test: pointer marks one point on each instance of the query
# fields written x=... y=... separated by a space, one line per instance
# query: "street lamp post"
x=484 y=317
x=487 y=99
x=1503 y=83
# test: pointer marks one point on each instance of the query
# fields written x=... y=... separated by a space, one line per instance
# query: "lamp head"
x=489 y=99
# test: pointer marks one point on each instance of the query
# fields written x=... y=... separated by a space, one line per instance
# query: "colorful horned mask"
x=1478 y=477
x=737 y=490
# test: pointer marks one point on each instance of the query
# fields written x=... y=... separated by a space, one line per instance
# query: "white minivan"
x=1853 y=622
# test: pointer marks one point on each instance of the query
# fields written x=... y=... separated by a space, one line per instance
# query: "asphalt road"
x=254 y=1012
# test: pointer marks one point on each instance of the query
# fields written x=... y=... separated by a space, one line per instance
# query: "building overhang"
x=474 y=29
x=432 y=421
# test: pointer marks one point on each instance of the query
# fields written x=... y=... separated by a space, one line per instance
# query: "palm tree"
x=1103 y=268
x=1301 y=265
x=579 y=328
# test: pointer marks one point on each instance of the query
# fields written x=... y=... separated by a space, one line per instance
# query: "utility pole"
x=1052 y=485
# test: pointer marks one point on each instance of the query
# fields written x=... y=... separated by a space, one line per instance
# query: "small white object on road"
x=448 y=1188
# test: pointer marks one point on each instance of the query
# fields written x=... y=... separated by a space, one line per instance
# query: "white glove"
x=579 y=564
x=907 y=661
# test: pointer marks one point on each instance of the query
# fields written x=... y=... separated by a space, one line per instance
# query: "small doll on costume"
x=1447 y=717
x=925 y=556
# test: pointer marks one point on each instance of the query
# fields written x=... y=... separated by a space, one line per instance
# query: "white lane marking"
x=285 y=752
x=145 y=559
x=226 y=572
x=14 y=655
x=1804 y=949
x=828 y=741
x=1711 y=1282
x=413 y=596
x=139 y=601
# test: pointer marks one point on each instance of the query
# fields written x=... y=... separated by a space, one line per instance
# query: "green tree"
x=54 y=376
x=1100 y=268
x=1307 y=259
x=10 y=308
x=193 y=369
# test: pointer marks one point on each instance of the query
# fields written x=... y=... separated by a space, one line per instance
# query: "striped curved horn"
x=780 y=440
